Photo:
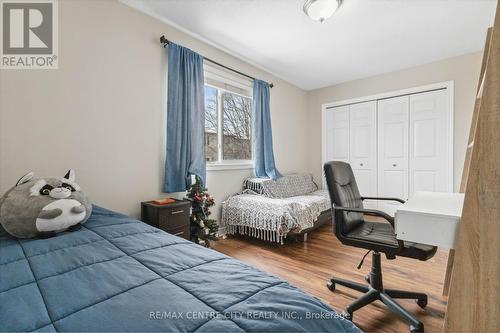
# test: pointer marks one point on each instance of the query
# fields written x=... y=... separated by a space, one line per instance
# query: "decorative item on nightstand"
x=203 y=229
x=171 y=217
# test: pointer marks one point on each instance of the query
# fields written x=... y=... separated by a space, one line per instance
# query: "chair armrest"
x=386 y=199
x=372 y=212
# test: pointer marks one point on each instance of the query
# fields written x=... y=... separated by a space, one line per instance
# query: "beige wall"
x=463 y=70
x=103 y=111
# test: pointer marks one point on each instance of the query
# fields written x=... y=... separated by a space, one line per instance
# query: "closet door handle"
x=360 y=164
x=394 y=165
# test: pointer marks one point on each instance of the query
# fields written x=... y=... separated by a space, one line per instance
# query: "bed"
x=119 y=274
x=274 y=209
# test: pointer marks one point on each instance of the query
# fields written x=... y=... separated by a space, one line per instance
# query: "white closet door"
x=430 y=167
x=392 y=151
x=337 y=134
x=363 y=148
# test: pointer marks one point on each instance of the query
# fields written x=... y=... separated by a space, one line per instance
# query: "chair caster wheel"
x=347 y=315
x=417 y=329
x=331 y=285
x=422 y=302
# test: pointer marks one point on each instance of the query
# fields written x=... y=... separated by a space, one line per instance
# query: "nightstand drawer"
x=182 y=231
x=173 y=218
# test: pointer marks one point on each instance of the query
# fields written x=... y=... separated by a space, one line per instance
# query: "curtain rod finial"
x=271 y=85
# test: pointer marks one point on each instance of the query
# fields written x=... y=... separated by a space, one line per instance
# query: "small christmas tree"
x=203 y=229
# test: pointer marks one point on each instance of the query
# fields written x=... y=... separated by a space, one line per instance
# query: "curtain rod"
x=165 y=42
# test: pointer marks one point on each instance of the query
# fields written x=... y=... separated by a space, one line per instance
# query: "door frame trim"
x=449 y=86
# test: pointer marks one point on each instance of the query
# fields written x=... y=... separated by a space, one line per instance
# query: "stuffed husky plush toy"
x=44 y=207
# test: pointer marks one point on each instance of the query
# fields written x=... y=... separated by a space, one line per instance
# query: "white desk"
x=430 y=218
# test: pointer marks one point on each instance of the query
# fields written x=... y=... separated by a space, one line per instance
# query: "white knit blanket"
x=272 y=219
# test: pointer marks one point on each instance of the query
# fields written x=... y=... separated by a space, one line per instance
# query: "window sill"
x=228 y=166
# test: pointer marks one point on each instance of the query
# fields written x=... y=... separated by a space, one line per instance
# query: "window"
x=211 y=125
x=228 y=123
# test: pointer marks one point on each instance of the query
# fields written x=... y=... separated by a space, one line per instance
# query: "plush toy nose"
x=59 y=193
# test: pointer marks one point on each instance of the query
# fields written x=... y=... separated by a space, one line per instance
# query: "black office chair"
x=351 y=229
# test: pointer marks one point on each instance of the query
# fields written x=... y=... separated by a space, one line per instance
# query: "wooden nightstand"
x=172 y=218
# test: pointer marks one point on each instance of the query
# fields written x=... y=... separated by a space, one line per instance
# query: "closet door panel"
x=364 y=180
x=392 y=151
x=429 y=149
x=363 y=148
x=337 y=134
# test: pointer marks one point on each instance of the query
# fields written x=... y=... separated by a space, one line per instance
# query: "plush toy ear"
x=70 y=175
x=26 y=178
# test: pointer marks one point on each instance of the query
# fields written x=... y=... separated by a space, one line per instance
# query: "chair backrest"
x=343 y=192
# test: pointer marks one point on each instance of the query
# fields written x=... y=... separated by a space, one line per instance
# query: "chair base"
x=375 y=291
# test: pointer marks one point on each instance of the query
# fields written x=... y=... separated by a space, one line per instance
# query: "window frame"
x=222 y=164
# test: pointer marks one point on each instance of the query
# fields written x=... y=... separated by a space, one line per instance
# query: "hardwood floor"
x=308 y=265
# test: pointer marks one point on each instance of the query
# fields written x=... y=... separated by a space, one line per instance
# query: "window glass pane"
x=211 y=143
x=236 y=126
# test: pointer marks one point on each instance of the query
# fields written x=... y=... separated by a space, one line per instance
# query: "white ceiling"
x=362 y=39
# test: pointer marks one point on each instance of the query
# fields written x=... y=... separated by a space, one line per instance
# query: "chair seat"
x=383 y=233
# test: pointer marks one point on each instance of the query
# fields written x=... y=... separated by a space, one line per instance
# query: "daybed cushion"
x=285 y=187
x=273 y=218
x=119 y=274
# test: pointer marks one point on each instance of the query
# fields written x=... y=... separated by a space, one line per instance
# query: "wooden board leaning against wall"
x=474 y=298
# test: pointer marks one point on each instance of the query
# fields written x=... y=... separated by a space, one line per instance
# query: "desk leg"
x=449 y=268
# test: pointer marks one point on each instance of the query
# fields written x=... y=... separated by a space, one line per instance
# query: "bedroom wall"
x=463 y=70
x=103 y=111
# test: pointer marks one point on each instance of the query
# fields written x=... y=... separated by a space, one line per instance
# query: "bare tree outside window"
x=236 y=127
x=236 y=122
x=211 y=129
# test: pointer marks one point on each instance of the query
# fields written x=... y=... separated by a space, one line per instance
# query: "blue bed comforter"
x=119 y=274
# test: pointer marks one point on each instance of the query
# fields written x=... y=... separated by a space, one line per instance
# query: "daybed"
x=119 y=274
x=274 y=209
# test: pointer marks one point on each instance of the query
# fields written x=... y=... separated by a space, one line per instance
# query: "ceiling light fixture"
x=320 y=10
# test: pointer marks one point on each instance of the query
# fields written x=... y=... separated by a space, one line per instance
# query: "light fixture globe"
x=320 y=10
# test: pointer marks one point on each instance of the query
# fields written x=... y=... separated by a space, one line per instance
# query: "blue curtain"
x=185 y=119
x=262 y=132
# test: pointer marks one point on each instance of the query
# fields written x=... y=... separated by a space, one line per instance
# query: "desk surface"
x=430 y=218
x=435 y=203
